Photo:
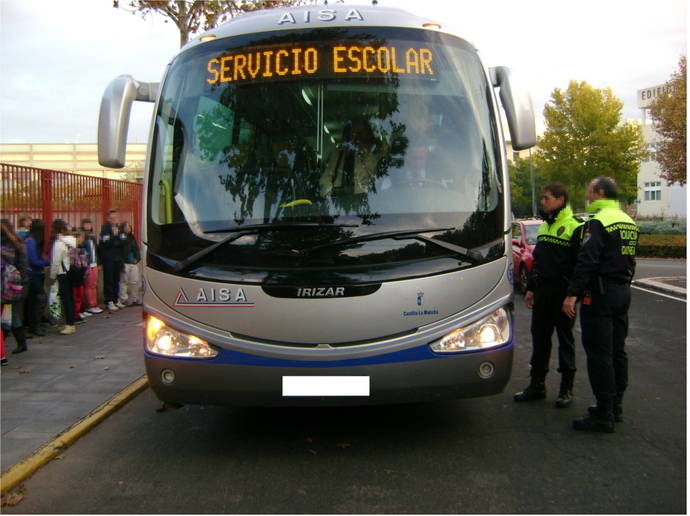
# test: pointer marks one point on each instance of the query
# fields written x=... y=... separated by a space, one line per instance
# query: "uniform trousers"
x=547 y=315
x=604 y=325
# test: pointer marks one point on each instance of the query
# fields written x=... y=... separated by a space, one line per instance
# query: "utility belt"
x=561 y=281
x=600 y=286
x=614 y=281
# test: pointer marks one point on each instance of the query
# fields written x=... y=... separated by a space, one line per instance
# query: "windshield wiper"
x=280 y=226
x=469 y=254
x=416 y=234
x=240 y=231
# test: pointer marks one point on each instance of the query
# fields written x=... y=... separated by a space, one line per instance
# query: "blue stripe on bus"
x=423 y=352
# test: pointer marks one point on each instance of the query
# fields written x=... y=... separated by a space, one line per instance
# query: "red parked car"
x=524 y=239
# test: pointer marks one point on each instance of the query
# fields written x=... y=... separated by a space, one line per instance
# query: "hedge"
x=662 y=246
x=662 y=227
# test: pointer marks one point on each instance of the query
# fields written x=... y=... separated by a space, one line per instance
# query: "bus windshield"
x=361 y=130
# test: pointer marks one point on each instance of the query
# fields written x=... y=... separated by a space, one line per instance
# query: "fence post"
x=47 y=206
x=106 y=199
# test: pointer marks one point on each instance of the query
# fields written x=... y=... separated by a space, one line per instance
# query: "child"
x=23 y=226
x=77 y=280
x=59 y=266
x=36 y=300
x=13 y=253
x=91 y=279
x=110 y=255
x=129 y=279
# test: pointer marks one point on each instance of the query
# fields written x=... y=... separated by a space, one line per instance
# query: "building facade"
x=80 y=158
x=654 y=197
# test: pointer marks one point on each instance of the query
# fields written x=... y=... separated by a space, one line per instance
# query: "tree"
x=520 y=172
x=585 y=138
x=189 y=16
x=669 y=116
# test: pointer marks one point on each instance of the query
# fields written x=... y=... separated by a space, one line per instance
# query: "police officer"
x=554 y=258
x=603 y=272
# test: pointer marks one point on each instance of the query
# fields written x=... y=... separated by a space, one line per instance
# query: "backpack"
x=12 y=285
x=78 y=265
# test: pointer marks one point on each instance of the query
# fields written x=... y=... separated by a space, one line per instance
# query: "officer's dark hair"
x=607 y=185
x=557 y=190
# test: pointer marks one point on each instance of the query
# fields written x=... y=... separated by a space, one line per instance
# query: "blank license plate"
x=325 y=386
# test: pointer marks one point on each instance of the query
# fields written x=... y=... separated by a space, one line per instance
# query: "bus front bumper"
x=438 y=378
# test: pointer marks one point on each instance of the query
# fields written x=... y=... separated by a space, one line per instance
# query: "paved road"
x=660 y=267
x=662 y=275
x=485 y=455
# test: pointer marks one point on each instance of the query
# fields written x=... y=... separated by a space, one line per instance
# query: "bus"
x=326 y=211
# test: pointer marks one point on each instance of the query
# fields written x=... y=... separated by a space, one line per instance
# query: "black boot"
x=565 y=394
x=599 y=420
x=21 y=340
x=536 y=390
x=617 y=408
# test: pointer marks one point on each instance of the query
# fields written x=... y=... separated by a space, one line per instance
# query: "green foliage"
x=585 y=138
x=662 y=227
x=521 y=187
x=670 y=122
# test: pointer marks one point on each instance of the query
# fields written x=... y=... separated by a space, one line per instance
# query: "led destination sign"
x=302 y=61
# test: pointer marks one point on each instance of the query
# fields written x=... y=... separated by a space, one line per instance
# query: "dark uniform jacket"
x=609 y=244
x=110 y=245
x=558 y=242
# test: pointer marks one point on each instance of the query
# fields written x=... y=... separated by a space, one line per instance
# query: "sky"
x=57 y=57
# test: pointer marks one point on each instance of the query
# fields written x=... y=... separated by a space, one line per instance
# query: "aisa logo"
x=213 y=297
x=324 y=15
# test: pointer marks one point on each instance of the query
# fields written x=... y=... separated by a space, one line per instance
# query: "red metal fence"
x=51 y=194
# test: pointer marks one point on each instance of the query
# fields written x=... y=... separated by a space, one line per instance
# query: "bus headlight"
x=489 y=332
x=163 y=340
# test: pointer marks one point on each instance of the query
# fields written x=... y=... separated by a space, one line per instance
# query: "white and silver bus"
x=327 y=211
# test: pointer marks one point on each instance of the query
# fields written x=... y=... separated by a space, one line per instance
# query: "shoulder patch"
x=586 y=235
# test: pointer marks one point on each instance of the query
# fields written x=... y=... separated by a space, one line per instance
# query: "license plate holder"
x=319 y=386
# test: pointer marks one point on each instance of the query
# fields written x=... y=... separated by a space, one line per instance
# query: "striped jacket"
x=557 y=246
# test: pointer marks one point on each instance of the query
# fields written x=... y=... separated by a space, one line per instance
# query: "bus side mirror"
x=113 y=118
x=518 y=108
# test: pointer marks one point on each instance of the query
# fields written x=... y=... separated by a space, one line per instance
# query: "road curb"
x=29 y=465
x=660 y=285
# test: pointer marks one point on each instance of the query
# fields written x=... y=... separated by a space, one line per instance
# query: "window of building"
x=652 y=191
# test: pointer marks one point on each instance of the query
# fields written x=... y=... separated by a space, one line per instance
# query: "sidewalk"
x=61 y=379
